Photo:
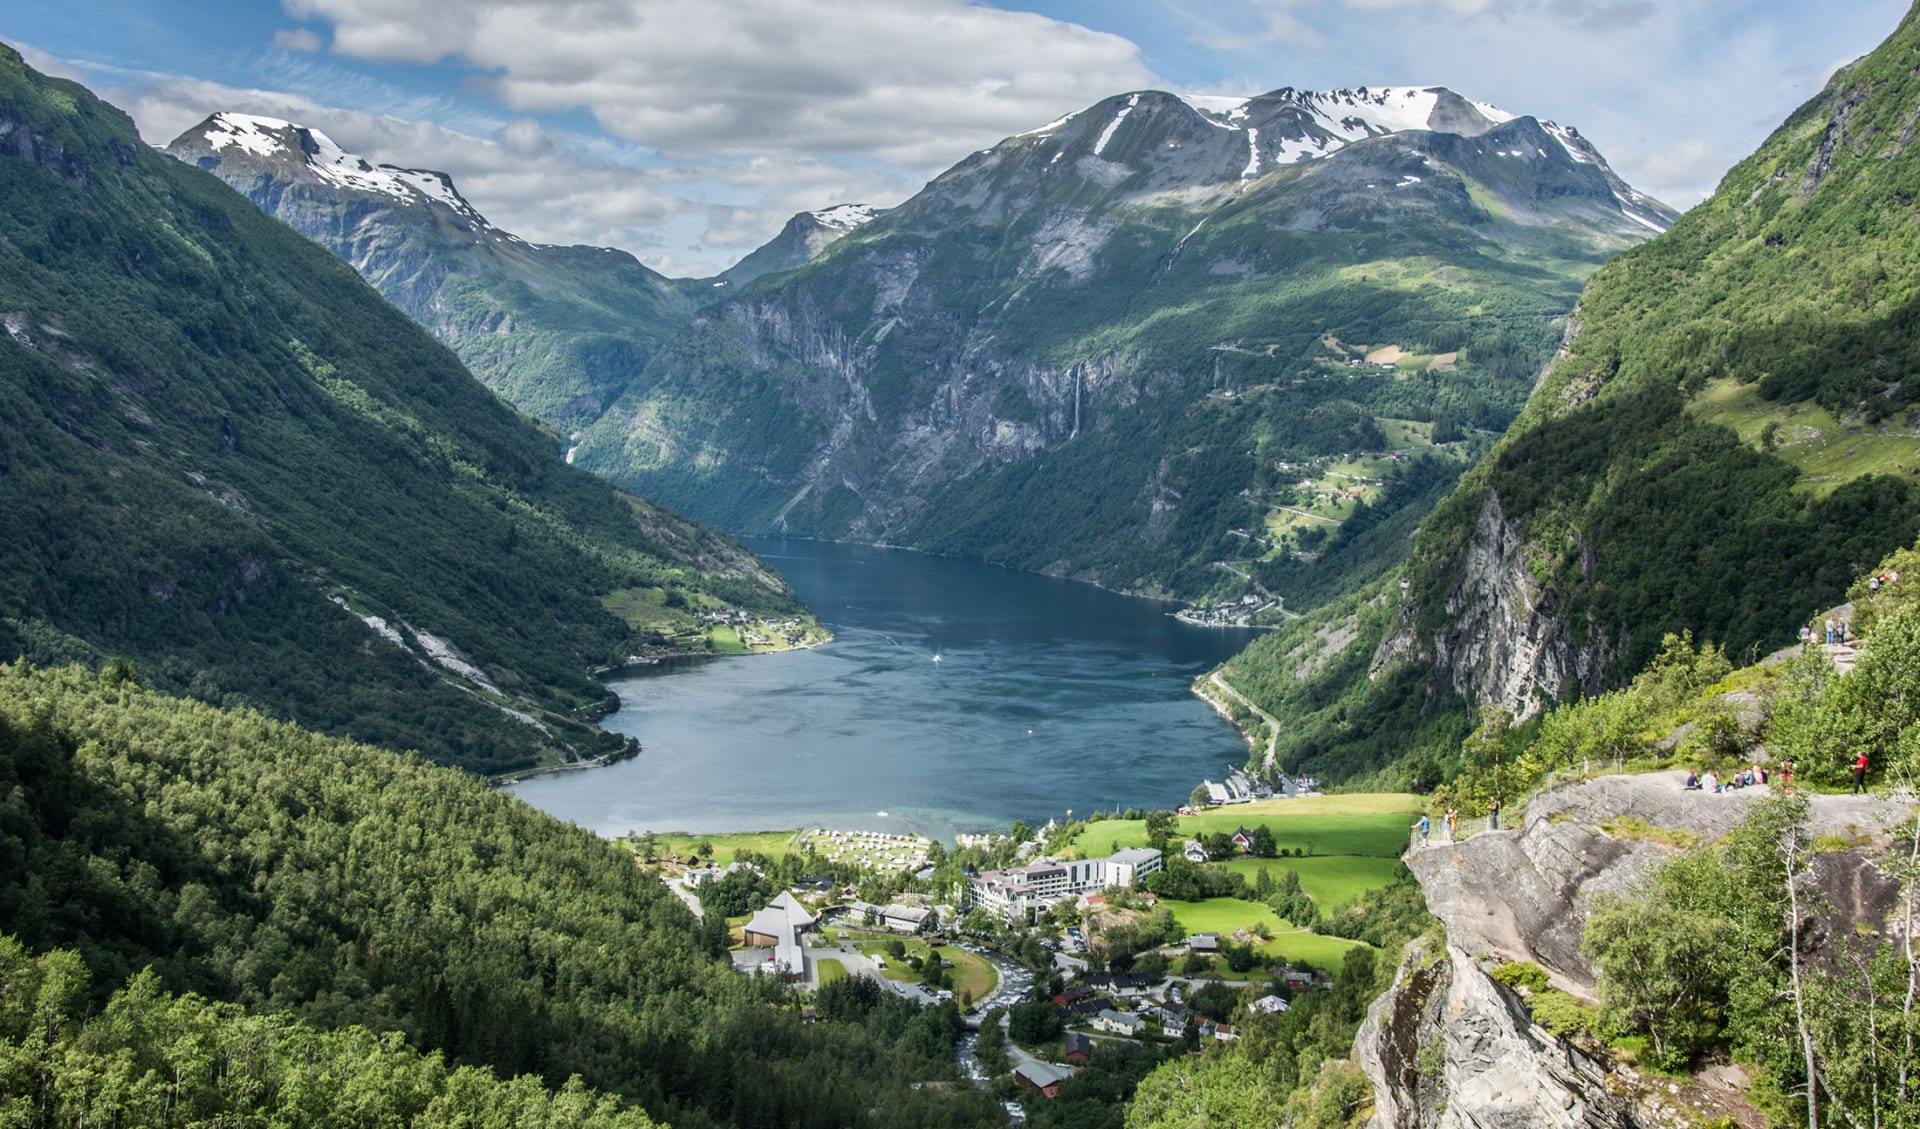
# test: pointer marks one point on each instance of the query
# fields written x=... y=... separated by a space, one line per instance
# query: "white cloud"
x=914 y=83
x=296 y=39
x=1278 y=24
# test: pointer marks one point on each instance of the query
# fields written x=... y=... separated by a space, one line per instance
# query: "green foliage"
x=1158 y=385
x=152 y=1058
x=1700 y=956
x=335 y=884
x=1796 y=284
x=223 y=447
x=1033 y=1022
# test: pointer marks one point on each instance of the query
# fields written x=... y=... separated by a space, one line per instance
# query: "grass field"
x=1330 y=880
x=827 y=970
x=773 y=844
x=1225 y=915
x=970 y=972
x=1827 y=452
x=1372 y=824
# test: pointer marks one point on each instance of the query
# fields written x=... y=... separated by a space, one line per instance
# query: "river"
x=1048 y=696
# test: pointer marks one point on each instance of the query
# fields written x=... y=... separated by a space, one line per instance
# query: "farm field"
x=1225 y=915
x=1373 y=824
x=1331 y=880
x=726 y=848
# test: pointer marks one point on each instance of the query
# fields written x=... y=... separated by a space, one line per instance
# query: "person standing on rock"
x=1425 y=826
x=1786 y=776
x=1493 y=815
x=1860 y=773
x=1448 y=819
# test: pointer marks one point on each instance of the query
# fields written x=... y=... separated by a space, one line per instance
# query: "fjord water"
x=1049 y=695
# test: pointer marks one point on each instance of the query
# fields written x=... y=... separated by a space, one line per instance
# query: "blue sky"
x=687 y=131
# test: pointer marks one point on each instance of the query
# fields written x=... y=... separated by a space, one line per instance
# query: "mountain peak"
x=845 y=217
x=229 y=136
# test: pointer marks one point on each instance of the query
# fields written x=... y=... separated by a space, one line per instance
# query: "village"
x=1145 y=929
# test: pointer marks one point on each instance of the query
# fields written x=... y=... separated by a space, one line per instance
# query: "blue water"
x=1049 y=696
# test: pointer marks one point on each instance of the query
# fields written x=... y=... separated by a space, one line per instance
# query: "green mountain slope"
x=1121 y=346
x=224 y=456
x=1729 y=440
x=322 y=884
x=556 y=331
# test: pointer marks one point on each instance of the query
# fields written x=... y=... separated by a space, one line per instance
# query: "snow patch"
x=1570 y=140
x=570 y=451
x=252 y=133
x=846 y=217
x=1050 y=126
x=1406 y=180
x=331 y=164
x=1107 y=135
x=1643 y=221
x=1253 y=156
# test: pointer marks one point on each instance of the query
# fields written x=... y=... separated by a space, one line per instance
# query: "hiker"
x=1493 y=815
x=1830 y=631
x=1424 y=826
x=1786 y=776
x=1693 y=781
x=1710 y=782
x=1860 y=773
x=1448 y=818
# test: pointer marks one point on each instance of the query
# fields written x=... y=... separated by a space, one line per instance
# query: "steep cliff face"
x=1449 y=1046
x=558 y=331
x=1728 y=440
x=1506 y=639
x=1092 y=348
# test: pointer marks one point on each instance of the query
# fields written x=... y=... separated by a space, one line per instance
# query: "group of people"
x=1746 y=778
x=1451 y=821
x=1710 y=781
x=1836 y=631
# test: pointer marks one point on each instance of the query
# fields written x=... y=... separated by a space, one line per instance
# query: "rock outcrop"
x=1449 y=1046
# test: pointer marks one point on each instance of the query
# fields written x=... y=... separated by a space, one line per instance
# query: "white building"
x=1009 y=894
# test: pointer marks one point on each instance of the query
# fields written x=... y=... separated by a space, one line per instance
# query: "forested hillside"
x=224 y=456
x=1729 y=439
x=556 y=331
x=310 y=885
x=1134 y=345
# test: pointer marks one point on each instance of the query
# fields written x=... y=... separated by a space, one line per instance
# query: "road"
x=1273 y=727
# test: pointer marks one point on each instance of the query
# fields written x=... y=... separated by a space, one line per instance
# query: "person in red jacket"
x=1860 y=774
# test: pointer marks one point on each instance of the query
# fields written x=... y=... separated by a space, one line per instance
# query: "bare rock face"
x=1451 y=1048
x=1507 y=641
x=1523 y=894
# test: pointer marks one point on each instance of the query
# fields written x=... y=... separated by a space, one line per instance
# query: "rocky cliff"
x=1450 y=1047
x=1727 y=441
x=558 y=331
x=1106 y=347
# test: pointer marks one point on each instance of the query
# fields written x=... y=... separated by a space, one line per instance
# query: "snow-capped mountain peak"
x=845 y=217
x=328 y=162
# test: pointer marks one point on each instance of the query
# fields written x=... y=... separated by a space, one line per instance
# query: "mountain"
x=226 y=458
x=355 y=926
x=1122 y=345
x=557 y=331
x=1728 y=441
x=804 y=237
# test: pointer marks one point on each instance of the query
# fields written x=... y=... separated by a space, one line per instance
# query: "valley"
x=1271 y=610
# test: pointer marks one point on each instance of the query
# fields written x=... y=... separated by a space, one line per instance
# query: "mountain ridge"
x=230 y=461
